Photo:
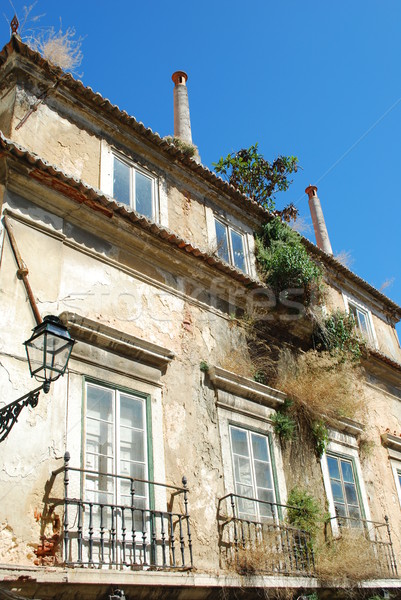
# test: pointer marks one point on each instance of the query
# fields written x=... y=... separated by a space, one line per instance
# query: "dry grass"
x=320 y=384
x=238 y=362
x=60 y=47
x=348 y=560
x=261 y=557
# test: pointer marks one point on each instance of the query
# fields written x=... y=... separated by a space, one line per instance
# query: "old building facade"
x=133 y=472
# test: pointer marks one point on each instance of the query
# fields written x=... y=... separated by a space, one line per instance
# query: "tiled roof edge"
x=15 y=44
x=113 y=207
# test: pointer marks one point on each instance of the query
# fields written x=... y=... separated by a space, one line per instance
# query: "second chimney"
x=319 y=225
x=182 y=119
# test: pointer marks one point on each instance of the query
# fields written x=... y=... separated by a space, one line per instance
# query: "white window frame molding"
x=346 y=446
x=393 y=445
x=115 y=359
x=116 y=392
x=159 y=200
x=363 y=308
x=244 y=403
x=230 y=227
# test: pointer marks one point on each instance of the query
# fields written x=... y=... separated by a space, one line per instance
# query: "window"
x=115 y=445
x=362 y=317
x=134 y=187
x=253 y=477
x=231 y=245
x=344 y=489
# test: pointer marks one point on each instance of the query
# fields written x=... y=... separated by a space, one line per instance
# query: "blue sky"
x=317 y=79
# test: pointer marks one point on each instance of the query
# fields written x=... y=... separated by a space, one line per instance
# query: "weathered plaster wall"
x=56 y=138
x=7 y=100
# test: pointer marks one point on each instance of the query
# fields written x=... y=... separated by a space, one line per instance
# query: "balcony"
x=262 y=544
x=371 y=541
x=148 y=529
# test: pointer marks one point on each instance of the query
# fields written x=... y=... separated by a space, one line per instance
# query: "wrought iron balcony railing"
x=373 y=538
x=254 y=538
x=145 y=530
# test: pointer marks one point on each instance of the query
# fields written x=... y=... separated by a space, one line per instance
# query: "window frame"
x=345 y=446
x=228 y=229
x=349 y=459
x=149 y=470
x=371 y=336
x=108 y=155
x=272 y=468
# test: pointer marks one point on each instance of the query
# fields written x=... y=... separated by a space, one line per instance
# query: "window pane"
x=143 y=195
x=337 y=491
x=242 y=470
x=262 y=474
x=239 y=442
x=237 y=242
x=363 y=323
x=332 y=463
x=99 y=403
x=132 y=446
x=346 y=468
x=259 y=447
x=131 y=411
x=354 y=512
x=121 y=182
x=350 y=493
x=222 y=243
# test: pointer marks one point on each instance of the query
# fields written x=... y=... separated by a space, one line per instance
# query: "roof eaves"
x=109 y=207
x=15 y=44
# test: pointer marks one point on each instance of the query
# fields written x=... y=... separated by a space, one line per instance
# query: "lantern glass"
x=49 y=349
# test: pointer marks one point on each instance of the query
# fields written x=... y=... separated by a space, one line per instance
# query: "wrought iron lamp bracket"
x=9 y=414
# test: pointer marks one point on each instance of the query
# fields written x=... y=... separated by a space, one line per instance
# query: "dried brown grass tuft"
x=238 y=362
x=262 y=557
x=348 y=560
x=320 y=384
x=59 y=47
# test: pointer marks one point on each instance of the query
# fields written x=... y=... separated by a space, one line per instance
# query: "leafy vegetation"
x=320 y=435
x=305 y=512
x=284 y=261
x=337 y=334
x=284 y=426
x=187 y=149
x=253 y=175
x=204 y=367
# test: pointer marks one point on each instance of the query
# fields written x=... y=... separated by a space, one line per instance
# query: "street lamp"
x=48 y=350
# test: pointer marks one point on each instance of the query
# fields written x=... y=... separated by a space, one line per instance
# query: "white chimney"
x=319 y=225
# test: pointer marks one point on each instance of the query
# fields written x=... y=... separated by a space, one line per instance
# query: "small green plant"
x=260 y=377
x=304 y=512
x=312 y=596
x=284 y=426
x=320 y=435
x=338 y=334
x=186 y=148
x=284 y=262
x=204 y=367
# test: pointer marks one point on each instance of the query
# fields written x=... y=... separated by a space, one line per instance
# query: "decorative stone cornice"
x=245 y=387
x=391 y=441
x=118 y=342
